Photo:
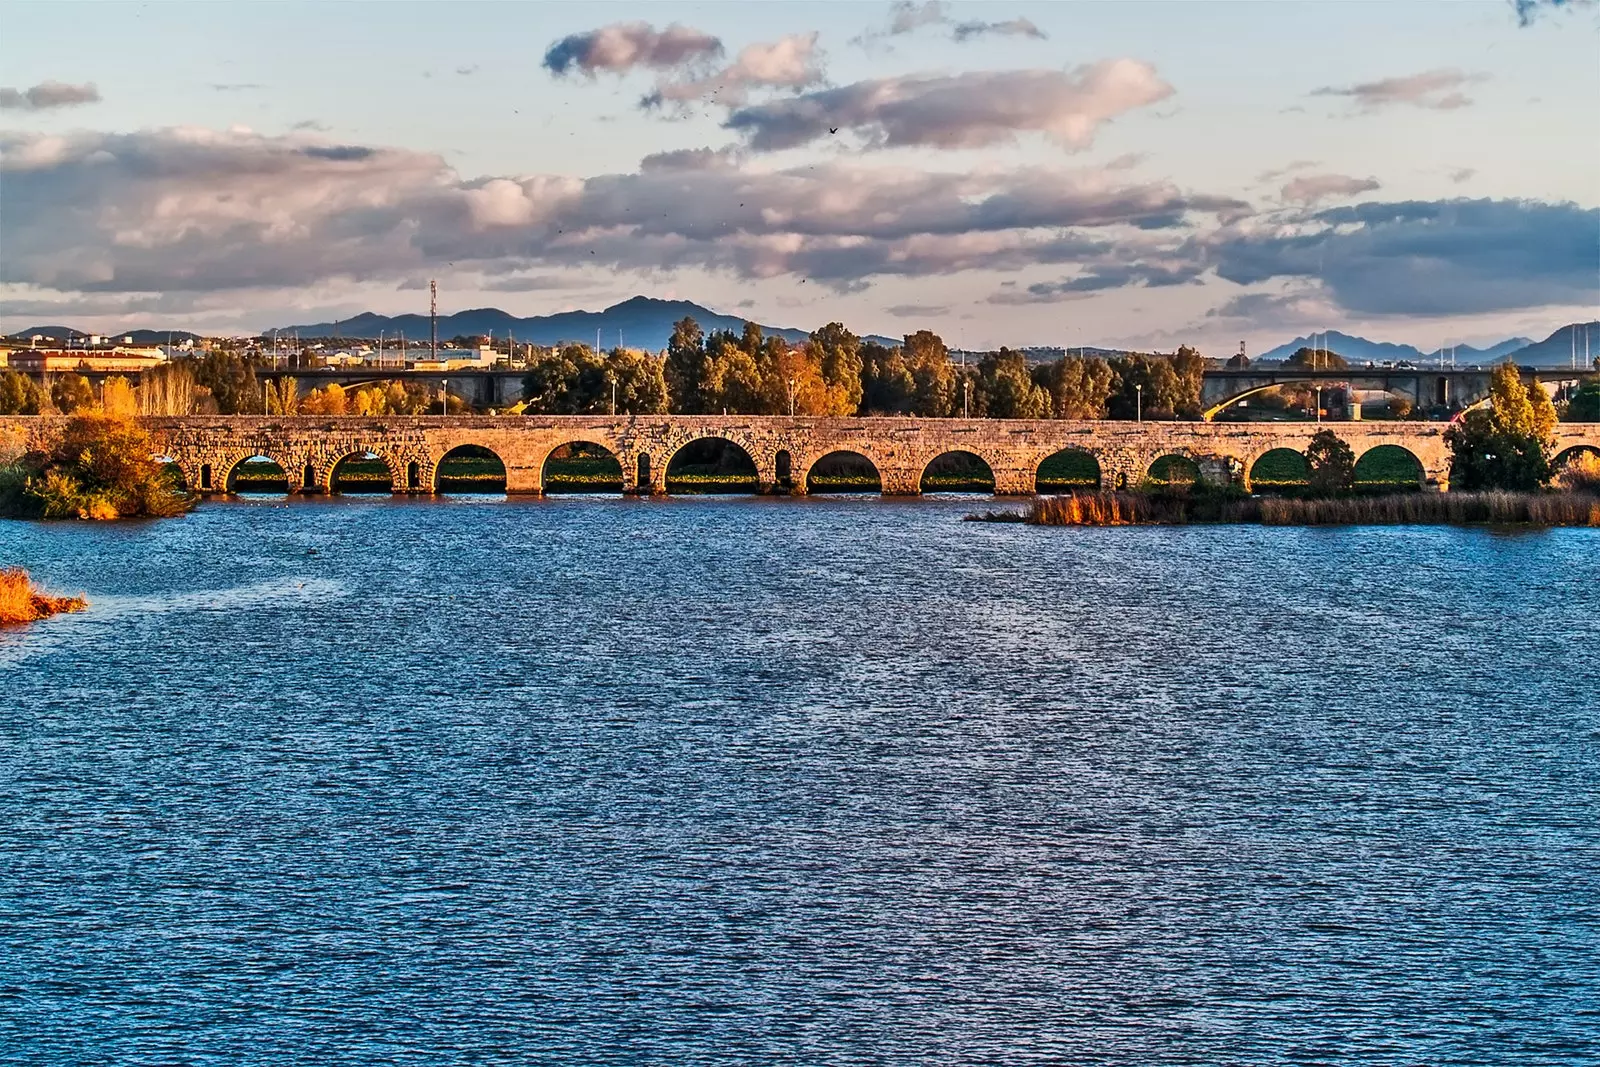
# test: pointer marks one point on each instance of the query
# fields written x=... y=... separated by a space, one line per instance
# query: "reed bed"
x=1418 y=509
x=22 y=602
x=1106 y=508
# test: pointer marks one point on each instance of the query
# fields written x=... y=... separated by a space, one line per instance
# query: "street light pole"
x=444 y=399
x=791 y=398
x=1138 y=402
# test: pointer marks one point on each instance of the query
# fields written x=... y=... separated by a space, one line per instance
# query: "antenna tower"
x=433 y=319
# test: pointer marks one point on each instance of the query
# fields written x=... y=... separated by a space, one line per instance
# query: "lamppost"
x=966 y=398
x=1138 y=402
x=613 y=380
x=444 y=399
x=791 y=398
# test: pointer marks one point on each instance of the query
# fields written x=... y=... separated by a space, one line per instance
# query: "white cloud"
x=969 y=110
x=1438 y=90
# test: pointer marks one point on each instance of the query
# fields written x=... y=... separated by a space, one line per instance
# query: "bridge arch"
x=469 y=468
x=958 y=470
x=1389 y=466
x=1174 y=469
x=259 y=472
x=364 y=470
x=1068 y=469
x=843 y=470
x=582 y=465
x=1573 y=452
x=1278 y=469
x=712 y=463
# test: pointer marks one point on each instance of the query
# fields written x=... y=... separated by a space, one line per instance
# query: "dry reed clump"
x=22 y=602
x=1106 y=508
x=1463 y=509
x=1580 y=474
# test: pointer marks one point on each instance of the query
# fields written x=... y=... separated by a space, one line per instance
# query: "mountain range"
x=644 y=322
x=1361 y=350
x=641 y=322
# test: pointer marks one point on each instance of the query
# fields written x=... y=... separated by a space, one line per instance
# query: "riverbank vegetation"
x=22 y=602
x=100 y=467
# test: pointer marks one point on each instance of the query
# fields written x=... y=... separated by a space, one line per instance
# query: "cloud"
x=1268 y=310
x=624 y=46
x=311 y=124
x=1274 y=175
x=1097 y=279
x=47 y=95
x=1438 y=90
x=1018 y=27
x=971 y=110
x=918 y=311
x=187 y=210
x=235 y=87
x=791 y=62
x=691 y=159
x=1424 y=257
x=526 y=283
x=1462 y=174
x=1312 y=188
x=1527 y=10
x=906 y=17
x=466 y=72
x=207 y=212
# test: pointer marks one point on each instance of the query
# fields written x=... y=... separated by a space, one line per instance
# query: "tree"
x=1008 y=388
x=1585 y=404
x=1506 y=446
x=1078 y=388
x=71 y=392
x=167 y=389
x=934 y=379
x=686 y=368
x=19 y=395
x=117 y=397
x=1316 y=359
x=1332 y=464
x=569 y=380
x=232 y=381
x=282 y=397
x=331 y=400
x=640 y=380
x=887 y=387
x=837 y=352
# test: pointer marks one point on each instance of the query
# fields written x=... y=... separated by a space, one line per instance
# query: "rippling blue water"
x=810 y=781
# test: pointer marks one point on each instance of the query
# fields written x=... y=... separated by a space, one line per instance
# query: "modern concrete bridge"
x=1451 y=388
x=783 y=449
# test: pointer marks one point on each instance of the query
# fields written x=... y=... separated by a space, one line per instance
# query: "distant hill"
x=1482 y=356
x=1354 y=349
x=1557 y=349
x=1361 y=350
x=64 y=333
x=642 y=322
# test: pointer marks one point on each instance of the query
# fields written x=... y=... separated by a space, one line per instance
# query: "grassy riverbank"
x=23 y=602
x=1399 y=509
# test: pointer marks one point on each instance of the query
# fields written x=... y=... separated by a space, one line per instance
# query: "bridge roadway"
x=784 y=449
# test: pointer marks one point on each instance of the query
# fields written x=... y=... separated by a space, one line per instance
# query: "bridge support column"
x=1015 y=482
x=1220 y=470
x=523 y=479
x=901 y=481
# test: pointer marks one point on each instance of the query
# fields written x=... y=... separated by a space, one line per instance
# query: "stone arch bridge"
x=308 y=448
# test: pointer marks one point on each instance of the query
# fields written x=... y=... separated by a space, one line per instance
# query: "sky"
x=1125 y=173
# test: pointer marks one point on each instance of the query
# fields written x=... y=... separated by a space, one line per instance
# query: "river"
x=709 y=781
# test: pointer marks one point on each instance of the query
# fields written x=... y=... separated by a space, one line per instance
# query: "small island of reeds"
x=23 y=602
